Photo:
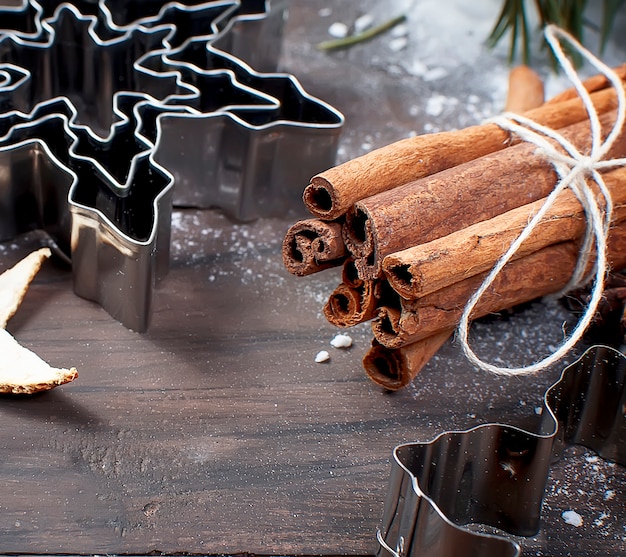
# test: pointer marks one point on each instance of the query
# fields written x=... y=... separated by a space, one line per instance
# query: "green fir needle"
x=361 y=37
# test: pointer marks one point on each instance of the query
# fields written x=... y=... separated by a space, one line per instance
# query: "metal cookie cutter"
x=251 y=155
x=97 y=124
x=496 y=474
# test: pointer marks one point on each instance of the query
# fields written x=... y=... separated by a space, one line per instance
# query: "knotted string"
x=574 y=169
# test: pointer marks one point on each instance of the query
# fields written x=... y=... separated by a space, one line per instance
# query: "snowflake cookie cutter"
x=495 y=474
x=95 y=103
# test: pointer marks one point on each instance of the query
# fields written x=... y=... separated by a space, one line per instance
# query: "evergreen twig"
x=567 y=14
x=370 y=33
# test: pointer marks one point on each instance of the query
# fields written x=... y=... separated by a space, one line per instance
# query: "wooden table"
x=216 y=432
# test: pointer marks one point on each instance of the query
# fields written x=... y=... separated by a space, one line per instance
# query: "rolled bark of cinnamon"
x=420 y=270
x=526 y=90
x=355 y=300
x=453 y=199
x=333 y=192
x=395 y=369
x=350 y=305
x=313 y=245
x=591 y=84
x=388 y=329
x=543 y=272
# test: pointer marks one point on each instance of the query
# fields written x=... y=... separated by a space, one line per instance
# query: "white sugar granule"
x=398 y=43
x=573 y=518
x=435 y=74
x=338 y=30
x=341 y=341
x=400 y=31
x=322 y=356
x=362 y=23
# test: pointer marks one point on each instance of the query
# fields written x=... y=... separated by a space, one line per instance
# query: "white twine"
x=573 y=168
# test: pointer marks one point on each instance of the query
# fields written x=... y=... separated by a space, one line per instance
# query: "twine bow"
x=578 y=172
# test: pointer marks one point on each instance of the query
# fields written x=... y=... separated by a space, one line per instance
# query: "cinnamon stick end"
x=312 y=245
x=294 y=260
x=342 y=307
x=386 y=328
x=349 y=306
x=385 y=368
x=394 y=369
x=526 y=90
x=401 y=277
x=319 y=199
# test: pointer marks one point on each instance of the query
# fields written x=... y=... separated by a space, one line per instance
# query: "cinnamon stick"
x=526 y=90
x=331 y=193
x=391 y=331
x=425 y=268
x=355 y=300
x=453 y=199
x=543 y=272
x=347 y=305
x=352 y=301
x=313 y=245
x=395 y=369
x=591 y=84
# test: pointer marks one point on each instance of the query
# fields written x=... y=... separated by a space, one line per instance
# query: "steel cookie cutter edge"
x=133 y=267
x=495 y=474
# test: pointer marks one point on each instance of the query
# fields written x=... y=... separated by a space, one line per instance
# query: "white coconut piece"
x=322 y=356
x=341 y=341
x=23 y=372
x=363 y=23
x=338 y=30
x=14 y=283
x=573 y=518
x=398 y=44
x=401 y=30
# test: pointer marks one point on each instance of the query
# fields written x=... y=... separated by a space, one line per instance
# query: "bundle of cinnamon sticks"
x=417 y=225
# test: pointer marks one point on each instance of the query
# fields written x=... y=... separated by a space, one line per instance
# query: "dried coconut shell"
x=23 y=372
x=14 y=283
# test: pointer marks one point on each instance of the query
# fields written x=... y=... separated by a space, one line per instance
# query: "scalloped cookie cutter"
x=495 y=474
x=111 y=112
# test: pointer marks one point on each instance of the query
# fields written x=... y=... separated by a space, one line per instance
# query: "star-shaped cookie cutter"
x=496 y=474
x=105 y=124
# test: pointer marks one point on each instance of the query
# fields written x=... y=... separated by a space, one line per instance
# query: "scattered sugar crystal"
x=341 y=341
x=399 y=43
x=401 y=30
x=599 y=522
x=573 y=518
x=338 y=30
x=325 y=12
x=434 y=74
x=362 y=23
x=322 y=356
x=435 y=105
x=609 y=494
x=417 y=67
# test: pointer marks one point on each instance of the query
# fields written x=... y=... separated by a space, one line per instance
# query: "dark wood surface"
x=215 y=432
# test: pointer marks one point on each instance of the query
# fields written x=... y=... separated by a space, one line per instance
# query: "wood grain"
x=215 y=431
